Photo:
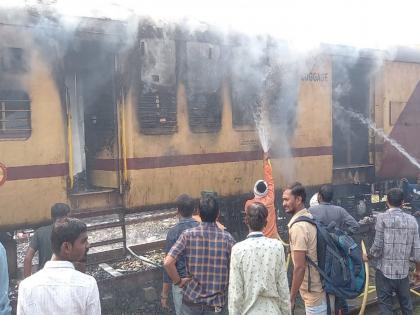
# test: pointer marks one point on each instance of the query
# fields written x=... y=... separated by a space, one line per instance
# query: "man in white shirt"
x=58 y=288
x=258 y=278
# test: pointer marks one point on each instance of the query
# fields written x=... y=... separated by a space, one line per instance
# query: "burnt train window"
x=246 y=86
x=15 y=115
x=204 y=80
x=245 y=102
x=13 y=60
x=156 y=106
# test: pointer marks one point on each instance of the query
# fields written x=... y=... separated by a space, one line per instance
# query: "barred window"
x=156 y=106
x=245 y=102
x=15 y=115
x=204 y=81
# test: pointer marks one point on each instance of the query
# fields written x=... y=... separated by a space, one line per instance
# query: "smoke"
x=265 y=72
x=306 y=23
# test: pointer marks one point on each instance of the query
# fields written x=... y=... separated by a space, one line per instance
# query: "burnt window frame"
x=144 y=112
x=10 y=97
x=238 y=123
x=197 y=123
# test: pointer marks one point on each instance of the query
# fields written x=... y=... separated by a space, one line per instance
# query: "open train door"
x=93 y=112
x=352 y=111
x=101 y=123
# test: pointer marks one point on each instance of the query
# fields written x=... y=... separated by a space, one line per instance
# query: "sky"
x=360 y=23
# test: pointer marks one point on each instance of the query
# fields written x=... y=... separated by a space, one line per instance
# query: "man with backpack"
x=327 y=262
x=396 y=241
x=328 y=214
x=303 y=243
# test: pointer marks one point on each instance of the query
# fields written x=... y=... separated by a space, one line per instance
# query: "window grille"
x=204 y=81
x=156 y=105
x=15 y=115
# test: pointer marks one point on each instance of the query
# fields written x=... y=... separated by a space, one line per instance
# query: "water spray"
x=370 y=124
x=263 y=128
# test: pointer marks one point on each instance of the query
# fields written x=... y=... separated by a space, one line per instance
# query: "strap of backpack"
x=321 y=272
x=304 y=218
x=309 y=277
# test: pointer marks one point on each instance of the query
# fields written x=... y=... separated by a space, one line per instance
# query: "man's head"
x=209 y=209
x=260 y=188
x=59 y=210
x=185 y=205
x=294 y=198
x=256 y=216
x=325 y=193
x=395 y=197
x=69 y=239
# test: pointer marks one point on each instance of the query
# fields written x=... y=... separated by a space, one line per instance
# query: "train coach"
x=102 y=120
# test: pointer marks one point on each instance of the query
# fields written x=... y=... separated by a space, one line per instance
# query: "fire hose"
x=142 y=258
x=366 y=291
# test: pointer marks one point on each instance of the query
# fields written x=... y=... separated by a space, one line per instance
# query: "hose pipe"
x=366 y=291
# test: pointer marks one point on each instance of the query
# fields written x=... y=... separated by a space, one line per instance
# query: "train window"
x=156 y=106
x=204 y=81
x=15 y=115
x=13 y=60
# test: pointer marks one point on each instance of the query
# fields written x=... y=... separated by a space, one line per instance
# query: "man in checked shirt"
x=396 y=241
x=207 y=250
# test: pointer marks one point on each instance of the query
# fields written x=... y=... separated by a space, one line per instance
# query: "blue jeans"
x=386 y=287
x=320 y=309
x=177 y=298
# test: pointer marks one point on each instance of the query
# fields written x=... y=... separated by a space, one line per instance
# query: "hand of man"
x=292 y=305
x=183 y=282
x=164 y=302
x=266 y=156
x=365 y=258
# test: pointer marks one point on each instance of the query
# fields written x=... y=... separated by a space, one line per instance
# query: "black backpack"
x=340 y=261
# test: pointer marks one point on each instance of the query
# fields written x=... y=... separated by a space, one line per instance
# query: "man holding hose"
x=264 y=193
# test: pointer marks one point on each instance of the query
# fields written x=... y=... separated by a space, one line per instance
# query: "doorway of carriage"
x=352 y=97
x=93 y=134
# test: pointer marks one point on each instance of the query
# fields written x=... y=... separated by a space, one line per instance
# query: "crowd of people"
x=207 y=272
x=211 y=274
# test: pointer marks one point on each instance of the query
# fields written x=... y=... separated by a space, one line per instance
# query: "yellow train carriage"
x=105 y=120
x=33 y=144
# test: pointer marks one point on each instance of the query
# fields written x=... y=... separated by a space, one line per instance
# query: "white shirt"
x=58 y=289
x=258 y=278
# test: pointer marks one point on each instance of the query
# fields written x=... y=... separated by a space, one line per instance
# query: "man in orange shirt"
x=264 y=193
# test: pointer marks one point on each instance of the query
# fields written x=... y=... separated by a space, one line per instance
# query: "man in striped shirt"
x=207 y=250
x=396 y=242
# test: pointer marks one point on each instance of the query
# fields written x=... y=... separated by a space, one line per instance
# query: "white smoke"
x=305 y=23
